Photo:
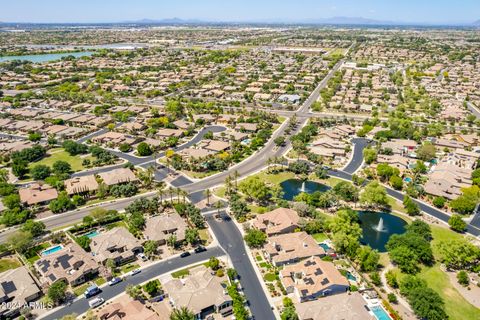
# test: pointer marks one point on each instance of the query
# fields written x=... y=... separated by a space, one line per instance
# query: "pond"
x=377 y=227
x=39 y=58
x=294 y=187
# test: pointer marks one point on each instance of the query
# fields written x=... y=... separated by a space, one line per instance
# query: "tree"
x=391 y=279
x=425 y=302
x=3 y=176
x=191 y=235
x=182 y=314
x=133 y=291
x=150 y=248
x=40 y=172
x=125 y=147
x=11 y=201
x=279 y=141
x=56 y=291
x=35 y=228
x=376 y=280
x=255 y=189
x=255 y=238
x=426 y=152
x=462 y=278
x=392 y=298
x=61 y=167
x=346 y=232
x=20 y=241
x=214 y=263
x=456 y=223
x=420 y=228
x=346 y=191
x=19 y=169
x=288 y=312
x=84 y=242
x=410 y=206
x=385 y=171
x=439 y=202
x=396 y=182
x=172 y=241
x=367 y=258
x=144 y=149
x=459 y=254
x=321 y=172
x=152 y=287
x=34 y=136
x=74 y=148
x=239 y=209
x=61 y=204
x=408 y=250
x=110 y=264
x=369 y=155
x=374 y=195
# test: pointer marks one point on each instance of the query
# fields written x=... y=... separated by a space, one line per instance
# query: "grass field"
x=319 y=237
x=55 y=155
x=455 y=305
x=7 y=264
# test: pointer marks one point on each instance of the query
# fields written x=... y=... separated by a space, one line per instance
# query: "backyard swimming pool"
x=51 y=250
x=92 y=234
x=325 y=246
x=380 y=313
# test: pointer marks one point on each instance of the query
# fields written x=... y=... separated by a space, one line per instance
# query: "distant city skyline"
x=268 y=11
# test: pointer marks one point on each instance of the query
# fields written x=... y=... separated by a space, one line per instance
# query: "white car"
x=134 y=272
x=114 y=281
x=96 y=302
x=142 y=257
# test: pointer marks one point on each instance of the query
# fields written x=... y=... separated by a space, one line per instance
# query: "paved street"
x=152 y=271
x=229 y=236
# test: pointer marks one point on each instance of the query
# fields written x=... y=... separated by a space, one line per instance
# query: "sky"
x=410 y=11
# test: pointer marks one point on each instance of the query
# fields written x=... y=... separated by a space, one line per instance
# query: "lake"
x=39 y=58
x=293 y=187
x=378 y=227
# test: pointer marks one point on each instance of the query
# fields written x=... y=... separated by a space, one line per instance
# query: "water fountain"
x=303 y=188
x=379 y=226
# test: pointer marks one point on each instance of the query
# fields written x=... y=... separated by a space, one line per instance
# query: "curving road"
x=81 y=306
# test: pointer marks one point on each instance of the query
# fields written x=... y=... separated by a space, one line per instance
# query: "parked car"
x=200 y=249
x=114 y=281
x=185 y=254
x=96 y=302
x=142 y=257
x=91 y=291
x=134 y=272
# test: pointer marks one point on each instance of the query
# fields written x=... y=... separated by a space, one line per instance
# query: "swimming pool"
x=351 y=277
x=407 y=179
x=380 y=313
x=51 y=250
x=92 y=234
x=325 y=246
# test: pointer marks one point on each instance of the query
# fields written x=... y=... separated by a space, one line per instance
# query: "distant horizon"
x=408 y=12
x=338 y=20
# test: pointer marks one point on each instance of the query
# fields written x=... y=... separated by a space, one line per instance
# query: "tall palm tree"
x=236 y=175
x=171 y=190
x=208 y=193
x=228 y=184
x=179 y=193
x=182 y=314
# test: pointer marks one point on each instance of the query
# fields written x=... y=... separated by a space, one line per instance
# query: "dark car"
x=185 y=254
x=200 y=249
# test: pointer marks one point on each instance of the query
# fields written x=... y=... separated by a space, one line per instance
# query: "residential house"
x=117 y=244
x=84 y=184
x=291 y=248
x=313 y=278
x=161 y=227
x=201 y=292
x=71 y=264
x=278 y=221
x=17 y=287
x=118 y=176
x=37 y=194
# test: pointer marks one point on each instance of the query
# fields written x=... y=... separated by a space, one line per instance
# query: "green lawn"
x=270 y=277
x=185 y=272
x=204 y=236
x=7 y=264
x=51 y=157
x=455 y=305
x=32 y=254
x=78 y=291
x=199 y=175
x=319 y=237
x=99 y=281
x=128 y=267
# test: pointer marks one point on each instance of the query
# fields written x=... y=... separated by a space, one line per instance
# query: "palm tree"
x=268 y=163
x=161 y=190
x=171 y=190
x=208 y=193
x=184 y=195
x=236 y=175
x=182 y=314
x=218 y=206
x=179 y=193
x=228 y=184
